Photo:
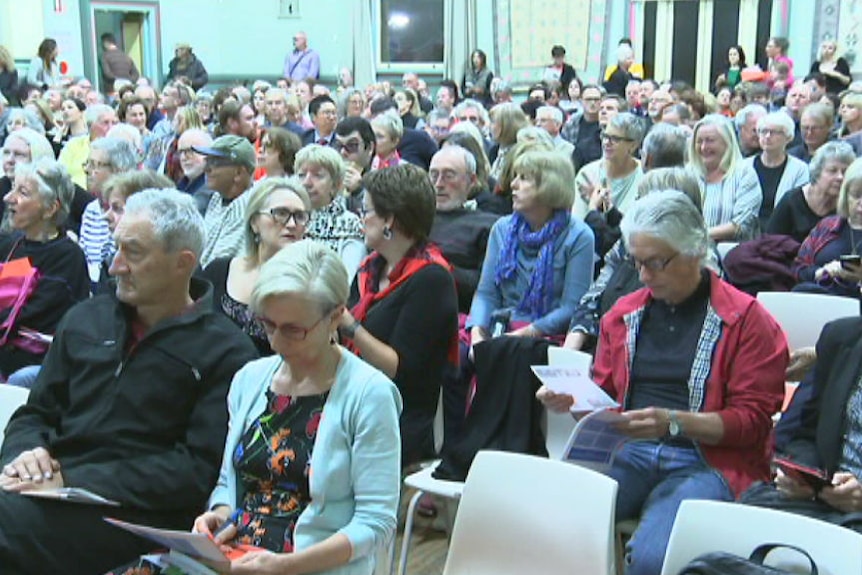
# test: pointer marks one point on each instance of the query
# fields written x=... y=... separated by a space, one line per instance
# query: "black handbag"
x=722 y=563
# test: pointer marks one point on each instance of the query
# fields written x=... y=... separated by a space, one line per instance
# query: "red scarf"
x=413 y=261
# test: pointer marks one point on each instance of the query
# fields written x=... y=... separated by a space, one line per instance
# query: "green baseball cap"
x=234 y=148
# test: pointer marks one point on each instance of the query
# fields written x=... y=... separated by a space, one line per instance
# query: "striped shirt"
x=95 y=239
x=735 y=199
x=225 y=228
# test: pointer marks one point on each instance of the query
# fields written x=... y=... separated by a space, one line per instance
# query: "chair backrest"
x=11 y=398
x=722 y=248
x=705 y=526
x=525 y=514
x=803 y=315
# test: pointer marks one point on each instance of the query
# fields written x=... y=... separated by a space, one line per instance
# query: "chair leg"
x=392 y=556
x=408 y=531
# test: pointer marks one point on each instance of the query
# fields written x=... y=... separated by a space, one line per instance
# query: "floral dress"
x=272 y=461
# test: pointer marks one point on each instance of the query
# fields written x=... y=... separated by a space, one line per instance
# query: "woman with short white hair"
x=388 y=129
x=777 y=171
x=335 y=521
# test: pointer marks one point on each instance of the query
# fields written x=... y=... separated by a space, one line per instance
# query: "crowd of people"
x=256 y=296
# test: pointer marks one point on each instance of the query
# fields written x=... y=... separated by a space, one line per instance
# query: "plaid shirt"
x=825 y=232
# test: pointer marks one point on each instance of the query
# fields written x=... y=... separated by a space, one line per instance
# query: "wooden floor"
x=428 y=544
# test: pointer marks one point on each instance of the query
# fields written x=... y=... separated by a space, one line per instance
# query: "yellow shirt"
x=635 y=70
x=73 y=155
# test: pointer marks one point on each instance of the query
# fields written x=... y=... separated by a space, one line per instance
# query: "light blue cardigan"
x=355 y=476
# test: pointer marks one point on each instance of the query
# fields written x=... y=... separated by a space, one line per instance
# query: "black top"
x=833 y=85
x=769 y=179
x=665 y=351
x=9 y=85
x=462 y=236
x=418 y=320
x=238 y=312
x=417 y=147
x=792 y=216
x=618 y=81
x=62 y=283
x=588 y=146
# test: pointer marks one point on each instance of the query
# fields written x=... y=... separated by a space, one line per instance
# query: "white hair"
x=670 y=216
x=177 y=223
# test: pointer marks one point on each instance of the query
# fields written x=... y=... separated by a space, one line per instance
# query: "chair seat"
x=423 y=481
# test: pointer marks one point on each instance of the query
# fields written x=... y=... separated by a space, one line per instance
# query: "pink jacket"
x=745 y=383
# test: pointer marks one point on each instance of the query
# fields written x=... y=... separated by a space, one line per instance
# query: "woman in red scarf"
x=404 y=308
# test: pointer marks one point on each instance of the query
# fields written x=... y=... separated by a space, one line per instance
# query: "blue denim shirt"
x=573 y=272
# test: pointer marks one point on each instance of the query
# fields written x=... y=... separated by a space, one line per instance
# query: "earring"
x=387 y=233
x=256 y=238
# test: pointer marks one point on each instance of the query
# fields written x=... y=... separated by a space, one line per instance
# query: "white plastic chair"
x=723 y=248
x=705 y=526
x=803 y=315
x=11 y=398
x=524 y=514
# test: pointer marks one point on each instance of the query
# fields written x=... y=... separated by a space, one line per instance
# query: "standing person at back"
x=303 y=62
x=115 y=64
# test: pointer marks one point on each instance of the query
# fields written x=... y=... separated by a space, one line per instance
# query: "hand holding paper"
x=577 y=383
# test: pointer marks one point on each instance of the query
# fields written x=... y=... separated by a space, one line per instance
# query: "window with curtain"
x=412 y=31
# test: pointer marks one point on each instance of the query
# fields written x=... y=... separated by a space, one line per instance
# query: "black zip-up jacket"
x=143 y=426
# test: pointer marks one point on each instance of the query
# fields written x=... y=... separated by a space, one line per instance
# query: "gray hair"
x=54 y=185
x=628 y=124
x=39 y=146
x=306 y=269
x=830 y=151
x=177 y=223
x=555 y=112
x=780 y=120
x=624 y=51
x=535 y=134
x=130 y=134
x=820 y=112
x=664 y=146
x=96 y=111
x=670 y=216
x=121 y=153
x=469 y=159
x=391 y=123
x=258 y=196
x=31 y=120
x=475 y=105
x=435 y=115
x=675 y=178
x=741 y=117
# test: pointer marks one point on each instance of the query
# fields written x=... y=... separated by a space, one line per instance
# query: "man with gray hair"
x=108 y=156
x=746 y=128
x=193 y=164
x=129 y=403
x=550 y=119
x=664 y=147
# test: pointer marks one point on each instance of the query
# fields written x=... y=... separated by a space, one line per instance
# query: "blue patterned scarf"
x=537 y=299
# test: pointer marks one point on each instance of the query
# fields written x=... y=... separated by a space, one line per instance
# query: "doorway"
x=135 y=25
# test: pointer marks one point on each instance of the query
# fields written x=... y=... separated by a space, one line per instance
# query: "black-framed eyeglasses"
x=652 y=264
x=282 y=216
x=615 y=139
x=288 y=331
x=350 y=147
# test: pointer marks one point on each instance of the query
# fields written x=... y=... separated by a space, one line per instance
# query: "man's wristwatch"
x=349 y=331
x=674 y=428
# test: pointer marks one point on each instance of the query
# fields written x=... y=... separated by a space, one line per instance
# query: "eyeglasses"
x=805 y=128
x=473 y=119
x=445 y=175
x=186 y=152
x=652 y=264
x=350 y=147
x=614 y=139
x=92 y=165
x=287 y=331
x=282 y=216
x=770 y=132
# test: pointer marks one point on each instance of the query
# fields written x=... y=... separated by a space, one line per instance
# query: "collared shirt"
x=300 y=65
x=225 y=227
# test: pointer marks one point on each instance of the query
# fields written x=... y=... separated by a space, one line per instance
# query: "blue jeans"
x=654 y=478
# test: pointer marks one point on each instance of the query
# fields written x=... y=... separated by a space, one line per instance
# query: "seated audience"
x=776 y=171
x=321 y=171
x=539 y=260
x=828 y=436
x=816 y=125
x=355 y=141
x=818 y=267
x=403 y=317
x=730 y=189
x=37 y=207
x=337 y=521
x=278 y=152
x=698 y=368
x=23 y=146
x=193 y=165
x=388 y=130
x=618 y=276
x=129 y=404
x=277 y=213
x=802 y=208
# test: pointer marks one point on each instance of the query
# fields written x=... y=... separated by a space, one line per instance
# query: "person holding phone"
x=828 y=261
x=828 y=438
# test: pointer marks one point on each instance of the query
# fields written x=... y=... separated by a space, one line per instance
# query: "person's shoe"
x=426 y=507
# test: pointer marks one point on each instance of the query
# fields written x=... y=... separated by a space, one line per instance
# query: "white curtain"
x=460 y=24
x=364 y=54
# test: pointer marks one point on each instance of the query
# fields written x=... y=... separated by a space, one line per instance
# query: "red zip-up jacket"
x=745 y=385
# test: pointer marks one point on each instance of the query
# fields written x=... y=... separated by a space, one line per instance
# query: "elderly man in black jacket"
x=129 y=404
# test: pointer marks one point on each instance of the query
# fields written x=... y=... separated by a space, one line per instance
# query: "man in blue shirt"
x=303 y=62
